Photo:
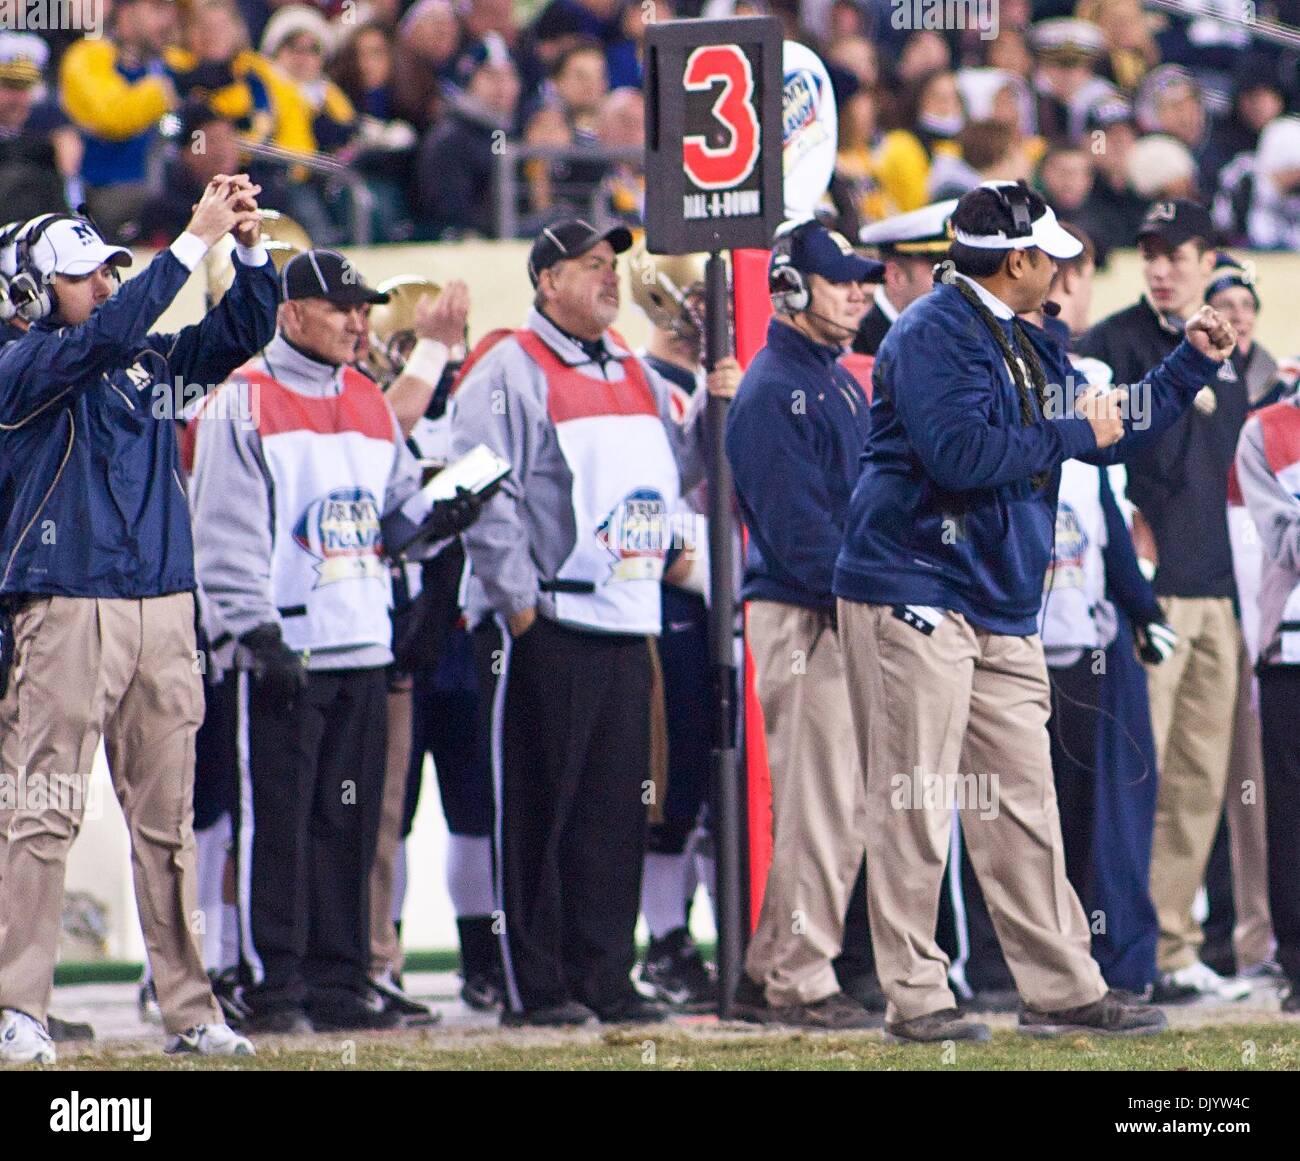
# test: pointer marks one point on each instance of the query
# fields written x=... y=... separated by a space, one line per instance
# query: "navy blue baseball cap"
x=813 y=249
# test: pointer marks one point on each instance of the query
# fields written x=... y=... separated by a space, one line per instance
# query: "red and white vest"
x=625 y=486
x=330 y=460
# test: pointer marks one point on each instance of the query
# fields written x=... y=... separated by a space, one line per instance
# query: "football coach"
x=97 y=571
x=940 y=582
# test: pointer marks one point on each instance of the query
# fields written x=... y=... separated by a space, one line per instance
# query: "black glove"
x=278 y=671
x=1156 y=642
x=448 y=517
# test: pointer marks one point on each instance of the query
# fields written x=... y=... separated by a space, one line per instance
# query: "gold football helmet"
x=670 y=289
x=282 y=237
x=392 y=324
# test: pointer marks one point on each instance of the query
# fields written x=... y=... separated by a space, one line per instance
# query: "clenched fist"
x=1211 y=334
x=1104 y=410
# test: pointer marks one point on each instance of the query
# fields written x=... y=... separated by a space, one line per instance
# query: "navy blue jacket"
x=795 y=433
x=945 y=513
x=92 y=492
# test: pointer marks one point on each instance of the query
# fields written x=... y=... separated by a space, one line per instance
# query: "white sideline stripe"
x=957 y=969
x=247 y=824
x=498 y=795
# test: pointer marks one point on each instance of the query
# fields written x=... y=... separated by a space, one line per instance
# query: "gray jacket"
x=1276 y=515
x=230 y=501
x=526 y=532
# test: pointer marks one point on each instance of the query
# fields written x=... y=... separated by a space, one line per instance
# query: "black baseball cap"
x=326 y=274
x=571 y=238
x=1177 y=221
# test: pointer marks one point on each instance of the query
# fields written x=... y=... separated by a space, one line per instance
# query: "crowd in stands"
x=1103 y=105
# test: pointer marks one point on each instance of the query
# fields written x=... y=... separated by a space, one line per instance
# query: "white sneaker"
x=210 y=1040
x=23 y=1040
x=1208 y=982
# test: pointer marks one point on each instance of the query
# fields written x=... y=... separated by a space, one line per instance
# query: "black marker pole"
x=722 y=648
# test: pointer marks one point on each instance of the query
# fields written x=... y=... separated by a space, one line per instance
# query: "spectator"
x=1010 y=52
x=1171 y=101
x=990 y=94
x=208 y=145
x=1274 y=218
x=428 y=43
x=625 y=67
x=363 y=69
x=1257 y=98
x=1130 y=46
x=216 y=65
x=115 y=90
x=317 y=114
x=620 y=124
x=1113 y=212
x=932 y=117
x=856 y=55
x=989 y=152
x=1066 y=53
x=855 y=187
x=1162 y=167
x=564 y=23
x=40 y=152
x=456 y=167
x=1065 y=178
x=574 y=93
x=924 y=53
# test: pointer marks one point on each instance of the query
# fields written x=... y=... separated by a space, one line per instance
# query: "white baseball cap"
x=73 y=247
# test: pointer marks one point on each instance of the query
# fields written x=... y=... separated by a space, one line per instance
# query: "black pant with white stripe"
x=1279 y=695
x=571 y=739
x=314 y=779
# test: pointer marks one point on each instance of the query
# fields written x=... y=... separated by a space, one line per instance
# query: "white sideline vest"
x=625 y=487
x=330 y=459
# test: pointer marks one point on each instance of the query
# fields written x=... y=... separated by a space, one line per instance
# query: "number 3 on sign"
x=711 y=168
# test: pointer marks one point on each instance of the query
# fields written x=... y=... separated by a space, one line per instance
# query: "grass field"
x=1247 y=1047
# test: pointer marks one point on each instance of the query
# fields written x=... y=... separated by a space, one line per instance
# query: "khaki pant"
x=958 y=718
x=125 y=670
x=385 y=950
x=10 y=760
x=1252 y=938
x=1193 y=703
x=818 y=804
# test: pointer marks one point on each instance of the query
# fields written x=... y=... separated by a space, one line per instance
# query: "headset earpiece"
x=1016 y=199
x=786 y=285
x=31 y=292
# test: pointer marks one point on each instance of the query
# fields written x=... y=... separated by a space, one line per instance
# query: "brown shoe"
x=835 y=1013
x=1109 y=1016
x=935 y=1027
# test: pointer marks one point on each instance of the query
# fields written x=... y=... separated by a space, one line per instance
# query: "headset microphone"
x=1051 y=309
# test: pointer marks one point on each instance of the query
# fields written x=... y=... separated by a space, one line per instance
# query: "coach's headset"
x=786 y=285
x=8 y=267
x=31 y=291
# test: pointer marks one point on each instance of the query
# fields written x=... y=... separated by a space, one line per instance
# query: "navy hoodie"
x=795 y=433
x=945 y=513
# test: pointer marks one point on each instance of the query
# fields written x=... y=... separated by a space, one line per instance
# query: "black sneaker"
x=279 y=1022
x=677 y=974
x=1291 y=1001
x=1109 y=1016
x=350 y=1013
x=750 y=1003
x=1166 y=991
x=834 y=1013
x=936 y=1027
x=229 y=994
x=146 y=1004
x=569 y=1014
x=483 y=993
x=632 y=1008
x=412 y=1012
x=865 y=989
x=68 y=1031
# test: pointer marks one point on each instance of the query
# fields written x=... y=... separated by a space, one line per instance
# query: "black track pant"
x=572 y=731
x=1072 y=728
x=315 y=780
x=1279 y=697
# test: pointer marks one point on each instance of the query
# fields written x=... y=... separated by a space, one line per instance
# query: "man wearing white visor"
x=940 y=580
